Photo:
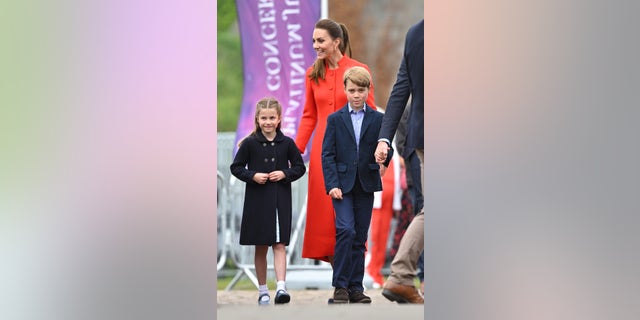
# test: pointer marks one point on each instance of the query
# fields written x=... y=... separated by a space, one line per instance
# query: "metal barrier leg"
x=223 y=256
x=222 y=213
x=238 y=276
x=296 y=231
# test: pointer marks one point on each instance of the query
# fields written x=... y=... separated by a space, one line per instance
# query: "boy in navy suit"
x=351 y=176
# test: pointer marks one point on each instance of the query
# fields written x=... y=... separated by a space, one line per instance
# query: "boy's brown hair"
x=358 y=75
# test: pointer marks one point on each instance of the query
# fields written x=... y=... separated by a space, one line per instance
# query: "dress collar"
x=278 y=138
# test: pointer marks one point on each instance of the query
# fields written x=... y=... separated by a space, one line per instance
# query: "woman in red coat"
x=324 y=95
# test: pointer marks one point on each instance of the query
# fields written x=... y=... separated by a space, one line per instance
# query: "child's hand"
x=261 y=178
x=276 y=175
x=336 y=193
x=381 y=152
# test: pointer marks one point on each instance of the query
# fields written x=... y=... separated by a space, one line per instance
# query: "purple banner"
x=276 y=51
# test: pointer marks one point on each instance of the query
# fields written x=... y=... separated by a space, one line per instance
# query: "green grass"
x=243 y=284
x=229 y=271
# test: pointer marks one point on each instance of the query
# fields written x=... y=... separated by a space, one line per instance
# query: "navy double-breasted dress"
x=262 y=201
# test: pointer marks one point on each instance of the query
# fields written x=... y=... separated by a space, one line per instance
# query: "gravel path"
x=306 y=297
x=310 y=305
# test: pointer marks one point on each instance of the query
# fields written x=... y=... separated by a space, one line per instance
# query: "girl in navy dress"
x=268 y=161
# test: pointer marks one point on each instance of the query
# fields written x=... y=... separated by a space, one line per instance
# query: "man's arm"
x=397 y=103
x=400 y=94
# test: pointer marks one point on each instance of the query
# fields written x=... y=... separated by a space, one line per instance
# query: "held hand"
x=260 y=178
x=335 y=193
x=381 y=152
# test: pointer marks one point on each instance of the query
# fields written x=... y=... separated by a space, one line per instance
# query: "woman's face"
x=323 y=44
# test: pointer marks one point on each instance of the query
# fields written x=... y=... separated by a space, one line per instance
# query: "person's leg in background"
x=400 y=284
x=415 y=169
x=418 y=203
x=403 y=218
x=421 y=272
x=411 y=198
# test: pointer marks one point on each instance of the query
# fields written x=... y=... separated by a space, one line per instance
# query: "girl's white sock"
x=280 y=285
x=263 y=289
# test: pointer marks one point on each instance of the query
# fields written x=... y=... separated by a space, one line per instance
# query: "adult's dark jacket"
x=409 y=83
x=343 y=161
x=401 y=135
x=256 y=154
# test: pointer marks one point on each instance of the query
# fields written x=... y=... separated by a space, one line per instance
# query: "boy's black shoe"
x=358 y=297
x=340 y=295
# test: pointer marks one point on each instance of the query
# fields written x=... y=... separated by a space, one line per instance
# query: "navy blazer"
x=409 y=82
x=342 y=161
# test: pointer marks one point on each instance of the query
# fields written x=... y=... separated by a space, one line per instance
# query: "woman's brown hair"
x=336 y=31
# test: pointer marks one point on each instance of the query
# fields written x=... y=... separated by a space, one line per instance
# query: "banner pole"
x=324 y=9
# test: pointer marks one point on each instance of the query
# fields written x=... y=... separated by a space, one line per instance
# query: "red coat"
x=321 y=100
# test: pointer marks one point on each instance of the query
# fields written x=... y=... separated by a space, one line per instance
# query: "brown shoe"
x=340 y=295
x=401 y=293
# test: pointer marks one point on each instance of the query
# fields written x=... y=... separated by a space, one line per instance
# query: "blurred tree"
x=377 y=29
x=229 y=81
x=229 y=57
x=227 y=14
